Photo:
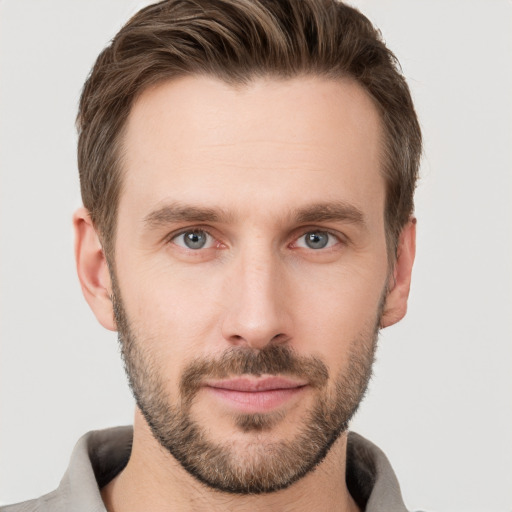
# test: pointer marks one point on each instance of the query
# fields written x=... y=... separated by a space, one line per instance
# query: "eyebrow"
x=179 y=212
x=332 y=211
x=321 y=212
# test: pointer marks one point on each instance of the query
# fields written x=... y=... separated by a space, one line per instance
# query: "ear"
x=92 y=269
x=400 y=280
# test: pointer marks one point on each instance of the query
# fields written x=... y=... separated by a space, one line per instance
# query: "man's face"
x=250 y=270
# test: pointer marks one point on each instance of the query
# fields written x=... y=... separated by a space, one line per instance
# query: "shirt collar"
x=100 y=455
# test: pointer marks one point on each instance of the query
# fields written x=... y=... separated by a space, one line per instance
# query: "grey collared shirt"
x=100 y=455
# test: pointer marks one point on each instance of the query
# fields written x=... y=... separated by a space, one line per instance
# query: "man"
x=247 y=171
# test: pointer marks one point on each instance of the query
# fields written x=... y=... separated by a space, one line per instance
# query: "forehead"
x=271 y=143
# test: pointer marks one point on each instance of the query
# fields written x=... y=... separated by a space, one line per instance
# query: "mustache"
x=272 y=360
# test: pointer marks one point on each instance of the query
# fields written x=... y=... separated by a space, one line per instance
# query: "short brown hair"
x=236 y=41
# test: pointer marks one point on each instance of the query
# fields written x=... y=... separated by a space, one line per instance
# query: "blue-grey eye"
x=316 y=239
x=194 y=240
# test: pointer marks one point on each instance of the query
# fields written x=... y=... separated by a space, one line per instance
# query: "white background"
x=440 y=401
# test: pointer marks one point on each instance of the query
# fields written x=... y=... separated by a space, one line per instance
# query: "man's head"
x=249 y=187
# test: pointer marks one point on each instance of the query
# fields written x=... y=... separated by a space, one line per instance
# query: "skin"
x=254 y=159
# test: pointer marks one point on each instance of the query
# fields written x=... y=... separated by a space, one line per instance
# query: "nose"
x=257 y=311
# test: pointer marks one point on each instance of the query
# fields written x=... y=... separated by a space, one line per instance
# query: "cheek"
x=173 y=310
x=336 y=311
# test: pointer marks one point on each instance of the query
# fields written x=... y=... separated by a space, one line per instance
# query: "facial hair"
x=254 y=467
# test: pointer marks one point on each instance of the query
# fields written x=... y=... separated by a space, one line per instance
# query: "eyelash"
x=331 y=242
x=193 y=230
x=336 y=238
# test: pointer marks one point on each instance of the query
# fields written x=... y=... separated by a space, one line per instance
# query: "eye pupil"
x=317 y=239
x=194 y=239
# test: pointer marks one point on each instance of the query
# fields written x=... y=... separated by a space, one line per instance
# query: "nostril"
x=237 y=340
x=280 y=338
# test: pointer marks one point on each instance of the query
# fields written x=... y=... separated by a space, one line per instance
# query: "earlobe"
x=400 y=280
x=92 y=269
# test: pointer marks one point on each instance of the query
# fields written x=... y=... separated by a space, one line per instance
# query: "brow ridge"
x=320 y=212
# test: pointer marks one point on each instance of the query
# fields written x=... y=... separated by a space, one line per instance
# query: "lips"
x=250 y=385
x=253 y=395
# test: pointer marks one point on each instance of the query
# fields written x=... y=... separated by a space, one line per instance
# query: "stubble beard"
x=258 y=465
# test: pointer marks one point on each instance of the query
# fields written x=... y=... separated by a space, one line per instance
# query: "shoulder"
x=49 y=502
x=96 y=459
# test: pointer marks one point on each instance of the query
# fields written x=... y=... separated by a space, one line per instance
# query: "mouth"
x=255 y=394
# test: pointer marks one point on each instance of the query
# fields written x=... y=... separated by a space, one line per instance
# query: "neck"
x=154 y=480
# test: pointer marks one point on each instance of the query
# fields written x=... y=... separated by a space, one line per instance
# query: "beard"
x=256 y=465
